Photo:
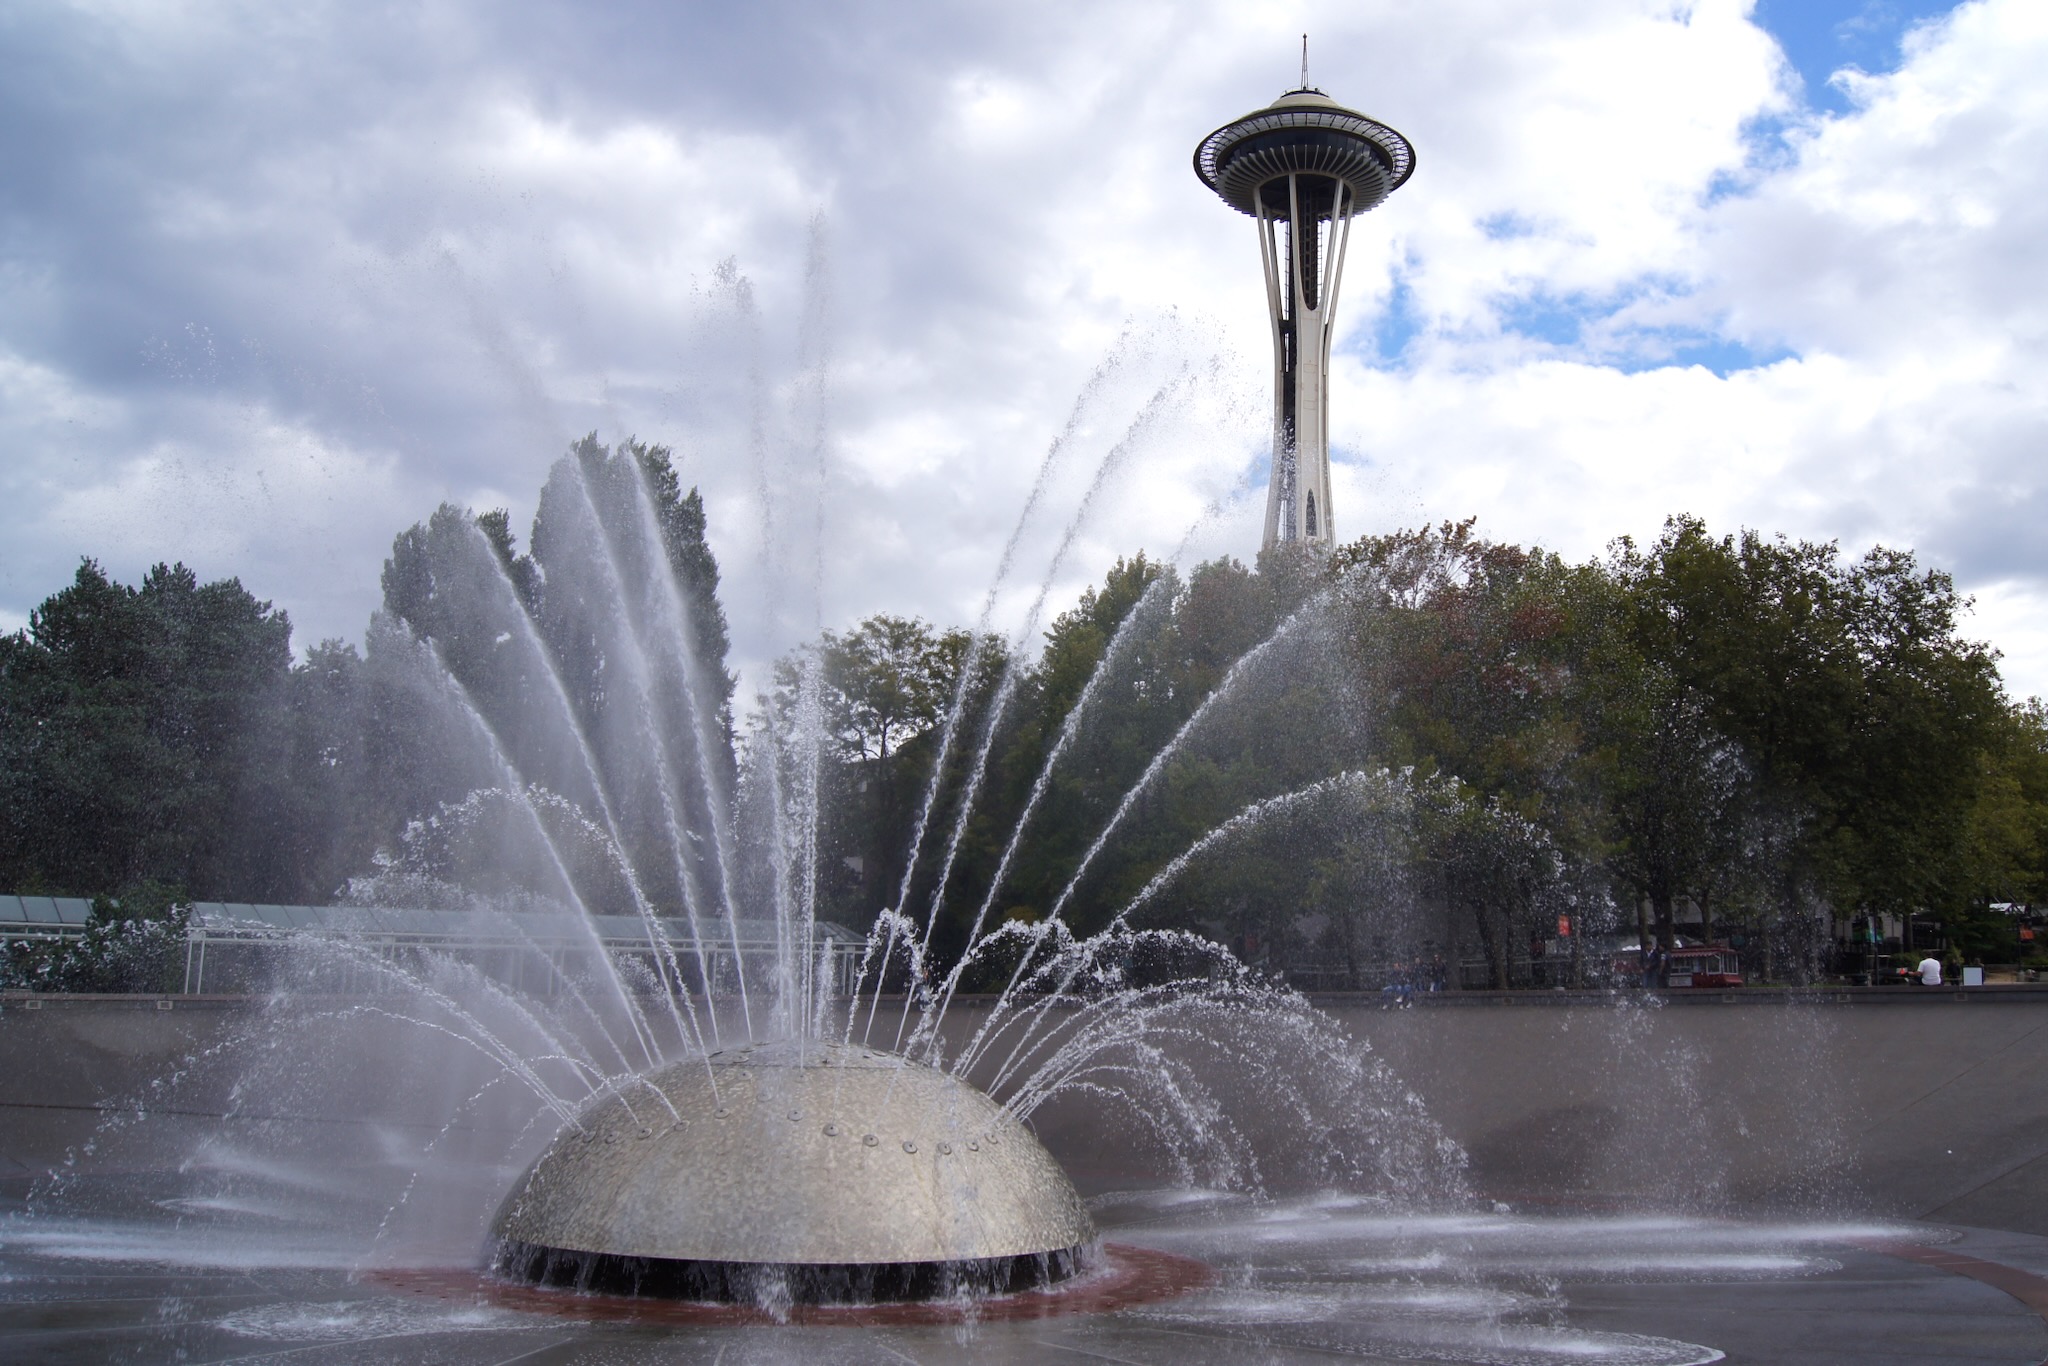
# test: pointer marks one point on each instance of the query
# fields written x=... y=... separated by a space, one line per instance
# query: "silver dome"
x=810 y=1154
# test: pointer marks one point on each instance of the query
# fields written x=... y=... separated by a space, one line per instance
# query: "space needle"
x=1304 y=167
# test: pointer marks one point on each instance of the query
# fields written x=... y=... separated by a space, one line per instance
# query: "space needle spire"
x=1304 y=167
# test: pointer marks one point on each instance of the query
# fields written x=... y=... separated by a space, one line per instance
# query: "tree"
x=1480 y=659
x=597 y=662
x=2007 y=840
x=885 y=682
x=590 y=541
x=1683 y=804
x=346 y=794
x=882 y=690
x=455 y=581
x=140 y=735
x=1867 y=718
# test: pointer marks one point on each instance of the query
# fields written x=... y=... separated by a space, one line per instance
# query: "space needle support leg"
x=1294 y=249
x=1332 y=285
x=1290 y=513
x=1336 y=276
x=1269 y=257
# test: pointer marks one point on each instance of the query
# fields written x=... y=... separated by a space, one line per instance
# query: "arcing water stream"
x=643 y=901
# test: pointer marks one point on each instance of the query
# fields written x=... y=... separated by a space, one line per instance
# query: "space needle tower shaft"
x=1303 y=168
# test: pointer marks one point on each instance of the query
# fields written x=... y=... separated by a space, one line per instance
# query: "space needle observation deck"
x=1304 y=167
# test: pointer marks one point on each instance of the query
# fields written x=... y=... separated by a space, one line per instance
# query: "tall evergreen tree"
x=141 y=731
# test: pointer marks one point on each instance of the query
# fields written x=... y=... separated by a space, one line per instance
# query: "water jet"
x=605 y=853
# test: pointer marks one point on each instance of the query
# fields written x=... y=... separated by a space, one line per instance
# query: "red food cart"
x=1705 y=965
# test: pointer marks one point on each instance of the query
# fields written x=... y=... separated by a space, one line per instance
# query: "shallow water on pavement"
x=1317 y=1279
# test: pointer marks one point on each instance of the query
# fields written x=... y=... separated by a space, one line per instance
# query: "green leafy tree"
x=883 y=689
x=2007 y=842
x=1868 y=720
x=141 y=731
x=591 y=544
x=597 y=662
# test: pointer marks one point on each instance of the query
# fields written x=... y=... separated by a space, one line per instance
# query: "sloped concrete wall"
x=1929 y=1105
x=1889 y=1101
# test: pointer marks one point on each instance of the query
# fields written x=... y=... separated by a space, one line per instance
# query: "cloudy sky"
x=276 y=280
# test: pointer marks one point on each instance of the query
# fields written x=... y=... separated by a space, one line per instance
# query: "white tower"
x=1303 y=167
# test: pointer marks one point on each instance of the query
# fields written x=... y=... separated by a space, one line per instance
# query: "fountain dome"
x=804 y=1169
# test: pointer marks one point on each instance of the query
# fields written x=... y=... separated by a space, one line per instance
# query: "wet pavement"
x=1294 y=1281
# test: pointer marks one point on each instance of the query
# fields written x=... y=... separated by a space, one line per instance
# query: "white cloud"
x=1896 y=253
x=229 y=491
x=272 y=287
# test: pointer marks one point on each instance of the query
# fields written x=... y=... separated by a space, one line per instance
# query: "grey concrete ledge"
x=67 y=1000
x=1998 y=993
x=2036 y=992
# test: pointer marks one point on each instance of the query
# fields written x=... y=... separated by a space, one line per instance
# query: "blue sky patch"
x=1820 y=37
x=1722 y=355
x=1397 y=325
x=1546 y=318
x=1564 y=322
x=1505 y=227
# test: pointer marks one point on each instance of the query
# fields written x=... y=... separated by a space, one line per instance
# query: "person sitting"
x=1398 y=990
x=1930 y=971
